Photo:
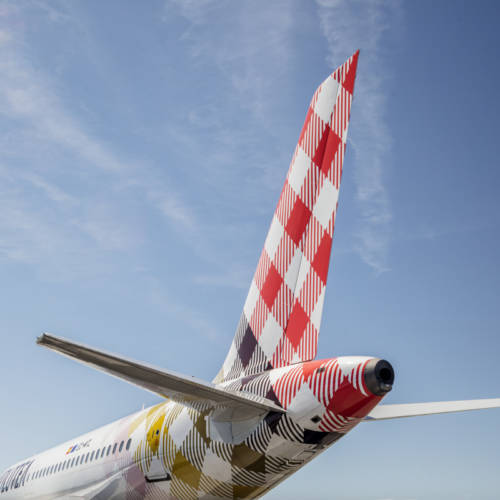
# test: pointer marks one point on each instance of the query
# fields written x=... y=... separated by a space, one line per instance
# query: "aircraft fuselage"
x=187 y=451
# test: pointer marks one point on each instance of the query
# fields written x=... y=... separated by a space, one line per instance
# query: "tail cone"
x=379 y=376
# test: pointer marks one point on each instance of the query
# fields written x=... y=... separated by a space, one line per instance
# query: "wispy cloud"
x=71 y=204
x=233 y=276
x=173 y=208
x=52 y=191
x=347 y=26
x=251 y=50
x=253 y=47
x=47 y=145
x=26 y=95
x=192 y=317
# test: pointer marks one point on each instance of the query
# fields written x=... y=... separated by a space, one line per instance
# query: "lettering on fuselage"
x=15 y=477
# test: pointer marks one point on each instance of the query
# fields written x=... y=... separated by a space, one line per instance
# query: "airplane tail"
x=282 y=314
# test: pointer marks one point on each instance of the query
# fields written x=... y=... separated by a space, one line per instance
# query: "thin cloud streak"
x=64 y=212
x=52 y=191
x=254 y=39
x=348 y=25
x=43 y=128
x=26 y=96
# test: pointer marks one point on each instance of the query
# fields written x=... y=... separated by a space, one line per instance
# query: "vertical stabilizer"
x=282 y=314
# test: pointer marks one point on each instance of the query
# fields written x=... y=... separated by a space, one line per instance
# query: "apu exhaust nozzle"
x=379 y=376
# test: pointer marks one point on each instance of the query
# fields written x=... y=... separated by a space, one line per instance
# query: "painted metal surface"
x=190 y=448
x=184 y=451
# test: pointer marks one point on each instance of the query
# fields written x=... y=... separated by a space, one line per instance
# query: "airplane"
x=272 y=407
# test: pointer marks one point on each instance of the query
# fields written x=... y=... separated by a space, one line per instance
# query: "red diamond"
x=322 y=257
x=320 y=150
x=332 y=146
x=298 y=220
x=296 y=325
x=271 y=286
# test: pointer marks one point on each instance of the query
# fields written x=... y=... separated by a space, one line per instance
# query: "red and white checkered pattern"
x=335 y=391
x=282 y=313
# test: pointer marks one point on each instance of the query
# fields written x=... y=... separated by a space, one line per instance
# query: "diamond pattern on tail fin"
x=282 y=313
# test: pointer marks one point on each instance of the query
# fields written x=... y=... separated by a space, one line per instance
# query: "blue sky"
x=142 y=150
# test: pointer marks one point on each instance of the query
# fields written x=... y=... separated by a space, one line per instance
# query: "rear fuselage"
x=179 y=451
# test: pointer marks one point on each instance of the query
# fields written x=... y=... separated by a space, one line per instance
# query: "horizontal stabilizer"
x=384 y=412
x=179 y=388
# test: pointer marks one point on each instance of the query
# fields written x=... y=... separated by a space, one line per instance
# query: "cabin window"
x=109 y=449
x=121 y=447
x=128 y=444
x=114 y=448
x=103 y=452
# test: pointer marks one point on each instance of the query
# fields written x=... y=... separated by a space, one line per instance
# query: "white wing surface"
x=186 y=390
x=384 y=412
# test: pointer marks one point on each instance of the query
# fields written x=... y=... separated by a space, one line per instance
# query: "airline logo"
x=79 y=446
